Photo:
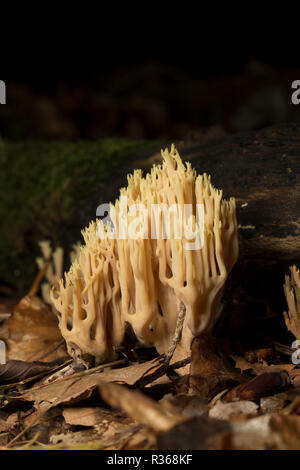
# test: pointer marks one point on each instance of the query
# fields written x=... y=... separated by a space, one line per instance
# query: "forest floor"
x=238 y=388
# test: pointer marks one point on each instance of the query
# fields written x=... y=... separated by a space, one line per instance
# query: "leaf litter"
x=220 y=397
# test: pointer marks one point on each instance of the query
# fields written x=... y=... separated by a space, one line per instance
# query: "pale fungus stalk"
x=54 y=261
x=162 y=267
x=54 y=271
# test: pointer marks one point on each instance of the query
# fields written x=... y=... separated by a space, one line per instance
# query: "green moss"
x=88 y=446
x=42 y=183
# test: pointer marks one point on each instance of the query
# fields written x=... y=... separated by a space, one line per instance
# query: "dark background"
x=160 y=80
x=153 y=79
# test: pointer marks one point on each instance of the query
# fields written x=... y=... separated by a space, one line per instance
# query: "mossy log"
x=261 y=170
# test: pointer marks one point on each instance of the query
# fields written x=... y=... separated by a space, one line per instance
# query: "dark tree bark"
x=262 y=171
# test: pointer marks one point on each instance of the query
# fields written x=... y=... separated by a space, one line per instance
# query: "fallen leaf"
x=295 y=377
x=91 y=416
x=71 y=389
x=266 y=355
x=15 y=371
x=67 y=390
x=134 y=374
x=87 y=436
x=257 y=368
x=263 y=385
x=138 y=407
x=115 y=436
x=114 y=429
x=211 y=371
x=274 y=404
x=33 y=331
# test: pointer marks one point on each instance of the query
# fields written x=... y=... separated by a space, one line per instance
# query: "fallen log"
x=261 y=169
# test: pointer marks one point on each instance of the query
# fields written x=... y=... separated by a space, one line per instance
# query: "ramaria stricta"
x=148 y=281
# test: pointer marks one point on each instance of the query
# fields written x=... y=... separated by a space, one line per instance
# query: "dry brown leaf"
x=76 y=438
x=69 y=390
x=113 y=437
x=74 y=388
x=33 y=331
x=211 y=371
x=31 y=423
x=8 y=422
x=91 y=416
x=112 y=429
x=274 y=404
x=15 y=371
x=138 y=406
x=257 y=368
x=131 y=375
x=262 y=385
x=265 y=355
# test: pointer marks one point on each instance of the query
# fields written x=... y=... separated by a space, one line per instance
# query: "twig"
x=82 y=373
x=131 y=432
x=178 y=332
x=35 y=377
x=165 y=368
x=22 y=433
x=179 y=364
x=282 y=348
x=52 y=350
x=38 y=279
x=32 y=441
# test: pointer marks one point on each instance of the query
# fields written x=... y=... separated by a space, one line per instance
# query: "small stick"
x=38 y=279
x=52 y=350
x=22 y=433
x=178 y=332
x=31 y=442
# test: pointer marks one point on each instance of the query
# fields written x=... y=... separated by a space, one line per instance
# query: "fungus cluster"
x=126 y=272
